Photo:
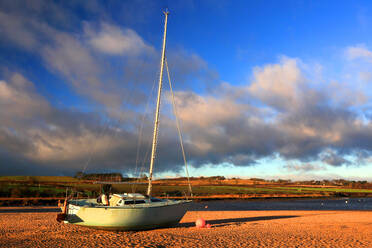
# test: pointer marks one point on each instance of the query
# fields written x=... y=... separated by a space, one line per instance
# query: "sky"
x=263 y=89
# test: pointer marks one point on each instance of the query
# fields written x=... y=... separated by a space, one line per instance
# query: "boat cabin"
x=117 y=200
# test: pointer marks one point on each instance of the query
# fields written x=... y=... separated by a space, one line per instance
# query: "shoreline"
x=216 y=197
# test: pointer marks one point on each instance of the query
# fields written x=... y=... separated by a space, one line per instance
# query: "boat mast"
x=156 y=122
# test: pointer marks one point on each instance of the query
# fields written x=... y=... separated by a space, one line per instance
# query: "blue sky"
x=264 y=88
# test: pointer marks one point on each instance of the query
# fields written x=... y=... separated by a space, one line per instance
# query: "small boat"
x=128 y=211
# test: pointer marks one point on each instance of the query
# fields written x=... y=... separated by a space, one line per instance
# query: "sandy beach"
x=38 y=228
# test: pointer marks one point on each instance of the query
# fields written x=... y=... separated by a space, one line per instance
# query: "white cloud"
x=365 y=76
x=87 y=74
x=112 y=40
x=278 y=85
x=210 y=110
x=19 y=100
x=68 y=56
x=359 y=51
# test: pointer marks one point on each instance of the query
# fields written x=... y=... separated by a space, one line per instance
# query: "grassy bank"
x=44 y=189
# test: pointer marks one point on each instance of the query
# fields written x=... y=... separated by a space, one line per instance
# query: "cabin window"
x=134 y=202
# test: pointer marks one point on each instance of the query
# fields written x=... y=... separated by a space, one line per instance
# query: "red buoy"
x=200 y=223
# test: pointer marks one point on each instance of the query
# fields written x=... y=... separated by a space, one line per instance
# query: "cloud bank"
x=279 y=112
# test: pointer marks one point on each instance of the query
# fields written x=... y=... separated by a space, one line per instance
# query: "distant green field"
x=53 y=186
x=223 y=189
x=38 y=178
x=342 y=190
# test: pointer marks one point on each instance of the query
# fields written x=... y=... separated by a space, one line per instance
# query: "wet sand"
x=229 y=229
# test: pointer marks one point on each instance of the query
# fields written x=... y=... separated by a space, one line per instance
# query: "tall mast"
x=156 y=122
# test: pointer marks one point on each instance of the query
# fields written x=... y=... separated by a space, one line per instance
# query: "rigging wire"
x=140 y=138
x=146 y=157
x=178 y=127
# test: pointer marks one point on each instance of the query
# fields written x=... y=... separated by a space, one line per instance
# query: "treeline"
x=107 y=177
x=110 y=177
x=362 y=184
x=195 y=178
x=342 y=182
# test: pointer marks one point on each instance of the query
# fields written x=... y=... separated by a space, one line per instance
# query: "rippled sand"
x=229 y=229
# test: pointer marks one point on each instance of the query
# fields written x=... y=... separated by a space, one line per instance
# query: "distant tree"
x=283 y=180
x=79 y=174
x=111 y=177
x=257 y=179
x=32 y=180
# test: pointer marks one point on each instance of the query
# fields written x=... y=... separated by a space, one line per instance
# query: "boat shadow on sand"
x=237 y=221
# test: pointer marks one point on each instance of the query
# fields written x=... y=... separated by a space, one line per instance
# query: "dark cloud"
x=13 y=165
x=335 y=160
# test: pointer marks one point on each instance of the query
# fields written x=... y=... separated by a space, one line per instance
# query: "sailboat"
x=129 y=211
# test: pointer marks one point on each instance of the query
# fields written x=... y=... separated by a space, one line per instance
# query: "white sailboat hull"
x=131 y=217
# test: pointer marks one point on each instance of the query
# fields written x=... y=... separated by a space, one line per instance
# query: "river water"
x=241 y=205
x=289 y=204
